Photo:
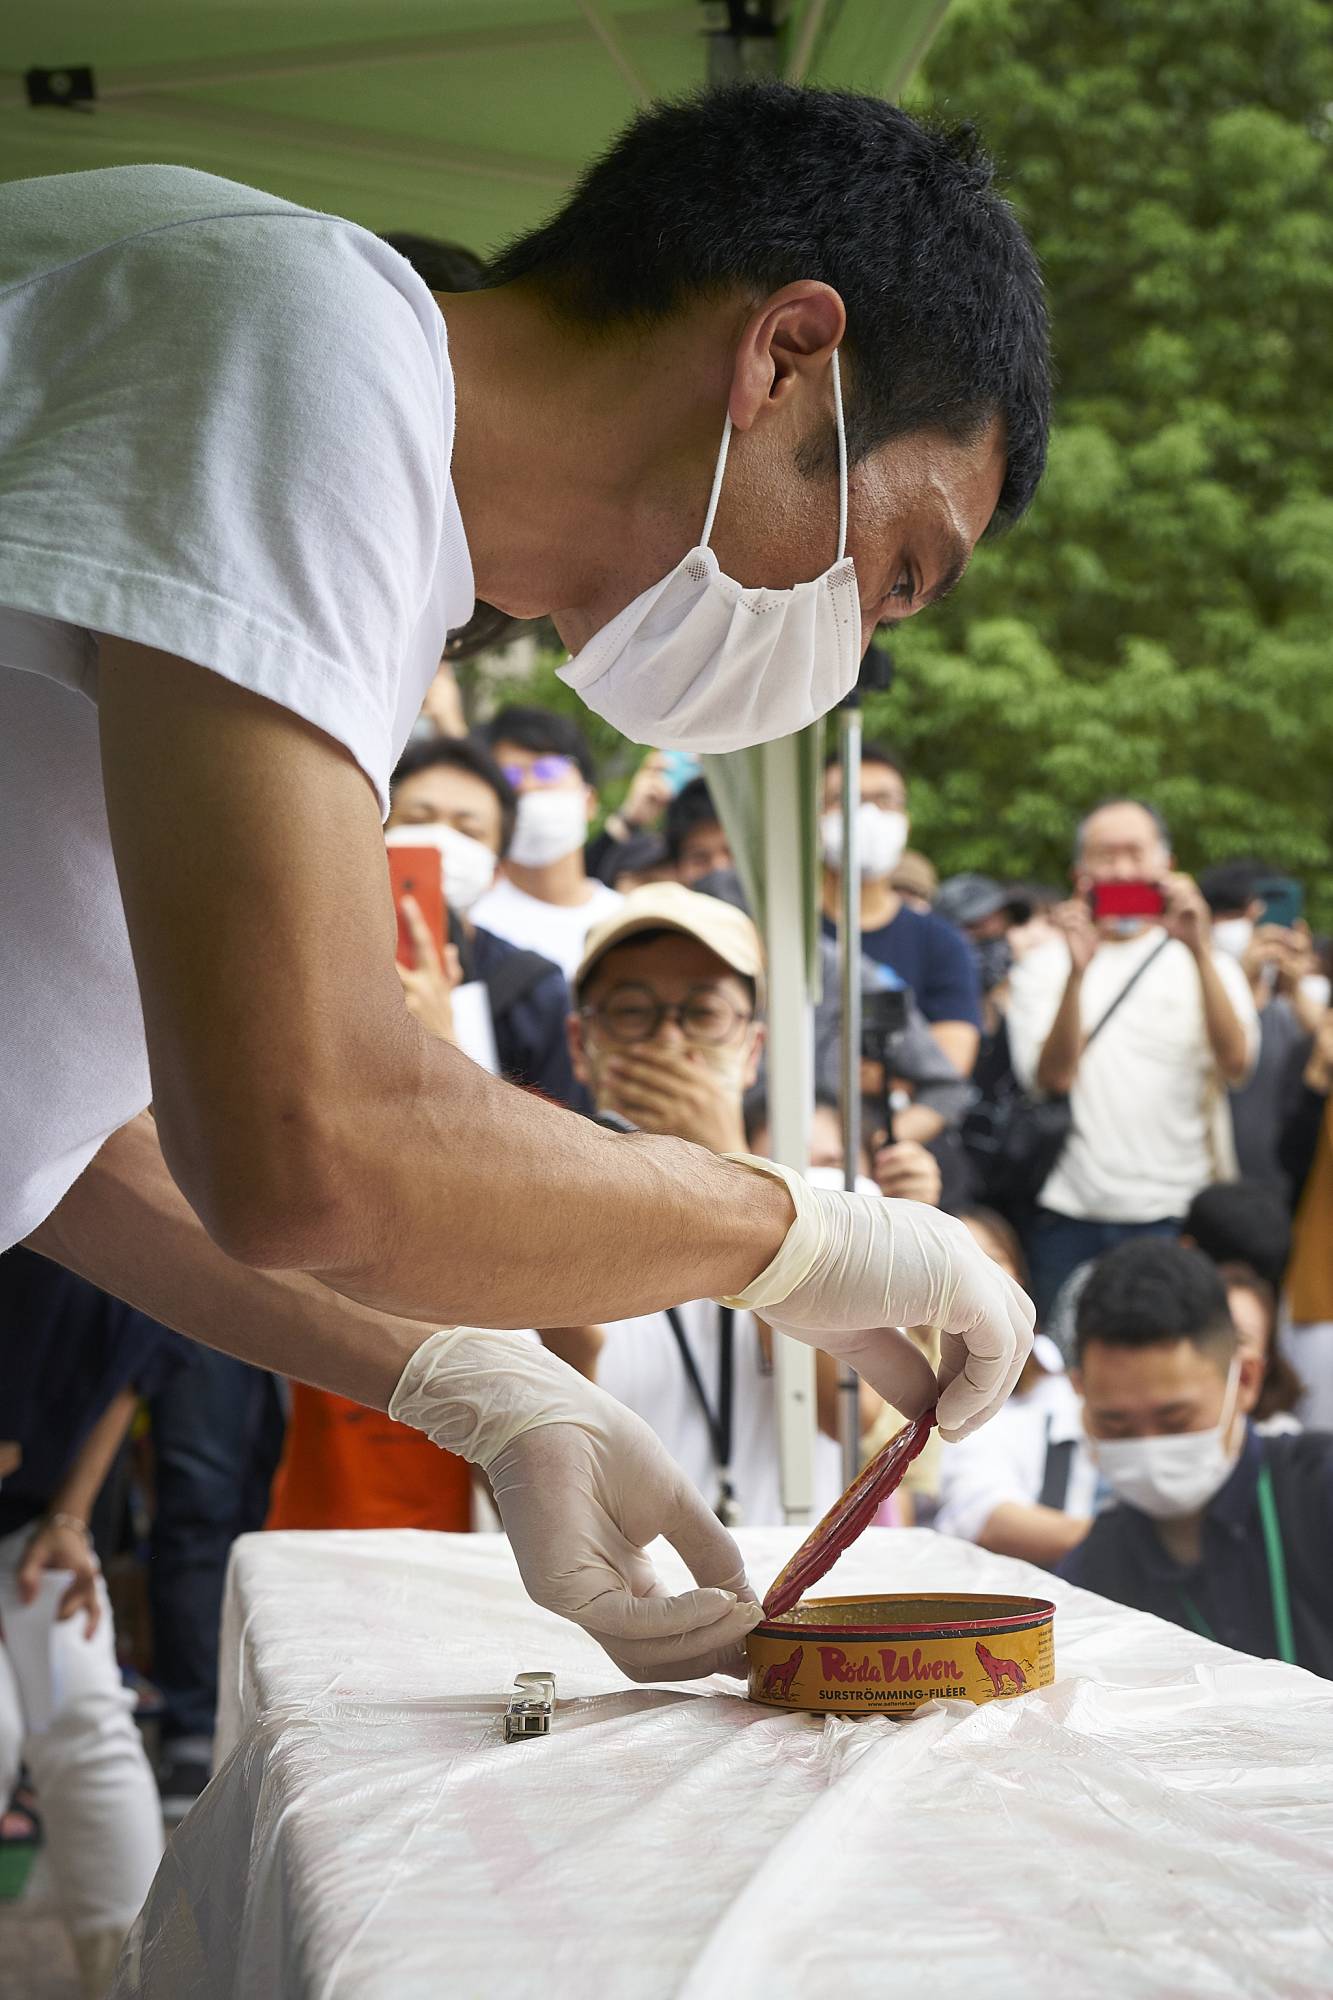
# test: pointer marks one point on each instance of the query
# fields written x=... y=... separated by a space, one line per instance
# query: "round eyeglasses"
x=631 y=1014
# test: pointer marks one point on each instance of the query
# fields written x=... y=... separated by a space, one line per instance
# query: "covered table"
x=1158 y=1822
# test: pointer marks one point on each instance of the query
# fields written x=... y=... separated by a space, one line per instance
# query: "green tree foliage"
x=1162 y=622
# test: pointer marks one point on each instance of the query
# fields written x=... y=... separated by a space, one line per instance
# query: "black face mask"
x=994 y=960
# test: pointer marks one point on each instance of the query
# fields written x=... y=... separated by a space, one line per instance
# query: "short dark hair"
x=1242 y=1222
x=1229 y=885
x=755 y=184
x=541 y=731
x=440 y=264
x=457 y=753
x=1151 y=1290
x=871 y=753
x=692 y=806
x=1121 y=799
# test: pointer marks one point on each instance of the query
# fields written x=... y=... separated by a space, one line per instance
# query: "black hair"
x=871 y=753
x=450 y=267
x=457 y=753
x=753 y=185
x=541 y=731
x=692 y=806
x=756 y=1108
x=1242 y=1222
x=1151 y=1290
x=1121 y=799
x=1230 y=885
x=443 y=266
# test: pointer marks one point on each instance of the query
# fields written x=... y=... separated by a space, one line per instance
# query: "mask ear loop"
x=717 y=482
x=725 y=447
x=842 y=458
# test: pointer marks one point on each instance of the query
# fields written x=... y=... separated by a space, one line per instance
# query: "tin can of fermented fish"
x=886 y=1655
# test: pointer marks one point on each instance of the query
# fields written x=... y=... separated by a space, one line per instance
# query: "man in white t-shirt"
x=545 y=899
x=237 y=520
x=1145 y=1026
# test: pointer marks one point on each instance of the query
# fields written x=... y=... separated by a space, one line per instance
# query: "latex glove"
x=853 y=1268
x=582 y=1486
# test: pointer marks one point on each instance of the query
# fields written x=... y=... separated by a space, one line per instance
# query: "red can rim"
x=1037 y=1612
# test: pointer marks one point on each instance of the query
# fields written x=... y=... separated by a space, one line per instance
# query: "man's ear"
x=1251 y=1382
x=787 y=341
x=578 y=1054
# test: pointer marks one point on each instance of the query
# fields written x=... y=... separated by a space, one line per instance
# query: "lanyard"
x=719 y=1421
x=1277 y=1577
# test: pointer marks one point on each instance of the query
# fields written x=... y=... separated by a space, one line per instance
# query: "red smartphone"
x=1126 y=899
x=418 y=872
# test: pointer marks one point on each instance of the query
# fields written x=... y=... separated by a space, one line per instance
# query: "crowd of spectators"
x=1121 y=1084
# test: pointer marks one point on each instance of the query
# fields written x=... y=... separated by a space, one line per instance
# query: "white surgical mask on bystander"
x=881 y=838
x=468 y=864
x=1169 y=1477
x=551 y=824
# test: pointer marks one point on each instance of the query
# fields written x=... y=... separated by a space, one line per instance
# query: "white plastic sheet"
x=1159 y=1822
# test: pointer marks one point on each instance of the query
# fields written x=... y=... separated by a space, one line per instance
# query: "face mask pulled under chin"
x=1169 y=1477
x=881 y=837
x=468 y=865
x=551 y=824
x=698 y=662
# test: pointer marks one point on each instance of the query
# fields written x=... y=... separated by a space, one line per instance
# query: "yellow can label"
x=855 y=1672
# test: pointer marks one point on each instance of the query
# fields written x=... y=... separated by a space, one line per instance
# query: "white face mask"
x=1169 y=1477
x=551 y=824
x=1233 y=936
x=699 y=663
x=881 y=838
x=469 y=865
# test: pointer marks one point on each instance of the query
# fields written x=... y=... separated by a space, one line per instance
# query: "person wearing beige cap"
x=667 y=1034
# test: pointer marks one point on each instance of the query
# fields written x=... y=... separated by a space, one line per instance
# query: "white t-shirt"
x=557 y=930
x=1151 y=1125
x=1006 y=1459
x=225 y=431
x=641 y=1366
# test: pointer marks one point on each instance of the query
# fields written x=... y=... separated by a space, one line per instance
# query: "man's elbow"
x=275 y=1191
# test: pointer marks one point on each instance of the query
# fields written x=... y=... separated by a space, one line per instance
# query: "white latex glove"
x=583 y=1485
x=854 y=1268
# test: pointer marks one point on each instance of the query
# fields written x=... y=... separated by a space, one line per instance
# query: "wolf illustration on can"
x=779 y=1678
x=1001 y=1671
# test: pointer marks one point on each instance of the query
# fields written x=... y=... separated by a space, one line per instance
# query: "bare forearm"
x=83 y=1482
x=1032 y=1533
x=473 y=1201
x=1057 y=1066
x=125 y=1226
x=1226 y=1036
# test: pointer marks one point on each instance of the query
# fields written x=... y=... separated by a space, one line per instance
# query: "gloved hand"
x=853 y=1268
x=582 y=1486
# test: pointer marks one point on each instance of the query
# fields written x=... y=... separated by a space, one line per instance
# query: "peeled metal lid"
x=847 y=1517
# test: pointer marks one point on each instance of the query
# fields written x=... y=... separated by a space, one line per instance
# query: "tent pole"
x=849 y=969
x=790 y=1093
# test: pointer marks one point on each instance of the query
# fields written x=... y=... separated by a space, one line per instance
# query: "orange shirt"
x=344 y=1466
